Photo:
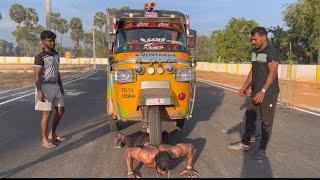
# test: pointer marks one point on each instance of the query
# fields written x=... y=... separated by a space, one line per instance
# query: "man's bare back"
x=157 y=157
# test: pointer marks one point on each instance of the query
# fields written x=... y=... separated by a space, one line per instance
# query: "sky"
x=205 y=15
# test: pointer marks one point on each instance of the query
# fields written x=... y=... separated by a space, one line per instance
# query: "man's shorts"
x=138 y=139
x=52 y=96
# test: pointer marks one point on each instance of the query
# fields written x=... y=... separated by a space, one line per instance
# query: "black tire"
x=155 y=125
x=113 y=124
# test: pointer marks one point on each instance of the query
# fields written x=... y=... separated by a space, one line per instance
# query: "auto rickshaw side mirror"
x=191 y=39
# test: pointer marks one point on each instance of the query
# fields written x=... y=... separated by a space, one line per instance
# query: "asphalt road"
x=89 y=150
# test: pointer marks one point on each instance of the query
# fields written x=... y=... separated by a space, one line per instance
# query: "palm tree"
x=62 y=28
x=87 y=39
x=76 y=31
x=31 y=19
x=17 y=13
x=100 y=20
x=55 y=17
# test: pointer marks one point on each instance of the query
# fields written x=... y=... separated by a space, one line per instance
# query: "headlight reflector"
x=185 y=74
x=124 y=75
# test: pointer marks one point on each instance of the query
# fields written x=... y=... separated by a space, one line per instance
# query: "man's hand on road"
x=132 y=175
x=258 y=98
x=189 y=172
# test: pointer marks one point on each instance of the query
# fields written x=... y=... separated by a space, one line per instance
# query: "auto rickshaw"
x=151 y=73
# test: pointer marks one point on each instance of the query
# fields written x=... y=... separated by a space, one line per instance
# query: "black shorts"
x=138 y=139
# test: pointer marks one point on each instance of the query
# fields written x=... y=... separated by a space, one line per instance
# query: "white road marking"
x=224 y=87
x=77 y=79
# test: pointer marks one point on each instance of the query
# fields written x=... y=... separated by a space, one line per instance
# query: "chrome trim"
x=192 y=100
x=155 y=84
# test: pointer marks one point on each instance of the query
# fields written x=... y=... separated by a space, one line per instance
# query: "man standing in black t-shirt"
x=49 y=89
x=263 y=79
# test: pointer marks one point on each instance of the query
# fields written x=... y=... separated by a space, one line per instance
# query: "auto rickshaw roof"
x=159 y=15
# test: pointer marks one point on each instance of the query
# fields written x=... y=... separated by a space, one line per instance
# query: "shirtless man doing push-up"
x=140 y=149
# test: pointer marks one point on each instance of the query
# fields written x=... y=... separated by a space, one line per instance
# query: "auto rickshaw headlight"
x=185 y=74
x=170 y=68
x=150 y=70
x=139 y=69
x=160 y=70
x=124 y=75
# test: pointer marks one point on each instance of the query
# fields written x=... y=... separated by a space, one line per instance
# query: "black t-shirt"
x=260 y=70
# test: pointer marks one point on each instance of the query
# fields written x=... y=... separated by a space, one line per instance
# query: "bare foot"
x=48 y=145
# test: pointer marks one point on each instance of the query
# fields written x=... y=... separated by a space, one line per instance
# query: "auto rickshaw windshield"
x=150 y=35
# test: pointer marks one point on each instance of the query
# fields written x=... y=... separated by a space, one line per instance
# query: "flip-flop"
x=58 y=138
x=49 y=146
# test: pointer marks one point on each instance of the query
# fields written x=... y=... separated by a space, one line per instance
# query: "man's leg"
x=250 y=126
x=44 y=126
x=56 y=119
x=120 y=140
x=267 y=117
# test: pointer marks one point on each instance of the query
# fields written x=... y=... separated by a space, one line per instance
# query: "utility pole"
x=48 y=15
x=93 y=45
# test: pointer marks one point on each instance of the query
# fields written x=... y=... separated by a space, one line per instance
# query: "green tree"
x=233 y=43
x=0 y=16
x=31 y=19
x=76 y=34
x=62 y=29
x=280 y=39
x=204 y=50
x=17 y=13
x=303 y=20
x=55 y=17
x=100 y=20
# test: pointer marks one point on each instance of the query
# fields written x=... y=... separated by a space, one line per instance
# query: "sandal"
x=48 y=146
x=58 y=139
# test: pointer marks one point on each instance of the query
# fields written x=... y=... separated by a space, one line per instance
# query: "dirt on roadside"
x=16 y=80
x=305 y=95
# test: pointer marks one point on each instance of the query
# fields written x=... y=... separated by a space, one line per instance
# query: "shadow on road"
x=94 y=134
x=250 y=167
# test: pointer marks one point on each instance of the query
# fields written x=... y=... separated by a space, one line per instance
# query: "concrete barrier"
x=30 y=60
x=304 y=73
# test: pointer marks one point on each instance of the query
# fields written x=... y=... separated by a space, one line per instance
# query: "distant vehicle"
x=151 y=75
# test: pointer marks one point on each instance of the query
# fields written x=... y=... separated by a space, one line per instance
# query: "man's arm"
x=186 y=150
x=60 y=83
x=246 y=85
x=37 y=70
x=129 y=156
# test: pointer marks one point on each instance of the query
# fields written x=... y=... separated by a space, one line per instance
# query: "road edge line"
x=231 y=88
x=10 y=100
